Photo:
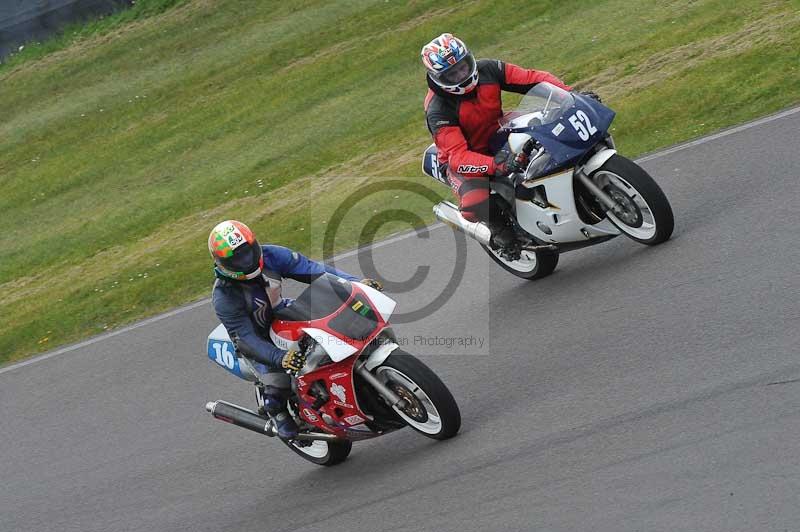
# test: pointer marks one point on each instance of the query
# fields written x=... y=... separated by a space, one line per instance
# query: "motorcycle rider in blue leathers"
x=245 y=294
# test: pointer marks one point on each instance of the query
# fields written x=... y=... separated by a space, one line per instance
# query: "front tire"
x=646 y=215
x=431 y=409
x=531 y=265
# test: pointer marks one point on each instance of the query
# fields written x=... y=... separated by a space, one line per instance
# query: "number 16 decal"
x=224 y=357
x=582 y=125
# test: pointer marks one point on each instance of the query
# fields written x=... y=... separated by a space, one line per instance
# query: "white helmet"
x=450 y=64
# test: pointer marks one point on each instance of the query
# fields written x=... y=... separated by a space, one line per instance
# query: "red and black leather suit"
x=462 y=126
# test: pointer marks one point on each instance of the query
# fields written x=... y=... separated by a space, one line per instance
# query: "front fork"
x=376 y=358
x=392 y=398
x=596 y=191
x=583 y=171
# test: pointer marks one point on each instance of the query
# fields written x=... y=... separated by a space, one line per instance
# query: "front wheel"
x=645 y=214
x=530 y=265
x=430 y=408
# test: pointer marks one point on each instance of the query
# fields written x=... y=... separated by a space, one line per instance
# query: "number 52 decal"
x=582 y=125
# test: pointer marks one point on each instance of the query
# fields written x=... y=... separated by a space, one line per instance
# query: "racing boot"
x=284 y=423
x=501 y=225
x=275 y=392
x=503 y=235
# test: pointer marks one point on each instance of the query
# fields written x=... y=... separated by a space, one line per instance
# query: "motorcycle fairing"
x=344 y=415
x=342 y=332
x=432 y=167
x=560 y=215
x=561 y=138
x=220 y=350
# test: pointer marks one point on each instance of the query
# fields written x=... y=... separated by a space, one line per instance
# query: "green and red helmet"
x=236 y=251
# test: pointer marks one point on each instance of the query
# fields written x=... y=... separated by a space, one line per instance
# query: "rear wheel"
x=322 y=452
x=531 y=265
x=430 y=408
x=645 y=214
x=318 y=452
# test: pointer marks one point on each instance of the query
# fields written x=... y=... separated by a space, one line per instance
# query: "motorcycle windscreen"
x=542 y=105
x=567 y=125
x=358 y=321
x=322 y=298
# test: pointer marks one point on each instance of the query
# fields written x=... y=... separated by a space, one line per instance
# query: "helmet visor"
x=246 y=259
x=457 y=73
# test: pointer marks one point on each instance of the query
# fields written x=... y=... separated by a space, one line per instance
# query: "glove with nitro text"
x=507 y=162
x=592 y=95
x=293 y=360
x=372 y=283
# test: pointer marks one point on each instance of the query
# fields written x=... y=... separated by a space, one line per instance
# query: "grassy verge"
x=120 y=150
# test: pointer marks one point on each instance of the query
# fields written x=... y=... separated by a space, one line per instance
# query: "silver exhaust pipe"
x=448 y=213
x=247 y=419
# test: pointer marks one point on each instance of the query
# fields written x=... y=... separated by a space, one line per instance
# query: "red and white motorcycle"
x=356 y=384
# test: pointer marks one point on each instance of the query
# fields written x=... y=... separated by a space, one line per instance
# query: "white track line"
x=388 y=241
x=719 y=135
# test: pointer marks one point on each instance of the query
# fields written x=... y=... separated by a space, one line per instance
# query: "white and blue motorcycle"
x=576 y=190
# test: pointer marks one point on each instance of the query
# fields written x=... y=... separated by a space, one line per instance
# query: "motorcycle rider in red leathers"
x=462 y=109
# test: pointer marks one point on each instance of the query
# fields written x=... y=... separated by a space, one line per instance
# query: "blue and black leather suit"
x=246 y=308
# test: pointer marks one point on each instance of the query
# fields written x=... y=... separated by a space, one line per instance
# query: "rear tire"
x=322 y=452
x=648 y=218
x=432 y=411
x=532 y=265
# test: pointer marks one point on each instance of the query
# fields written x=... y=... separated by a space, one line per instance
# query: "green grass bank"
x=121 y=147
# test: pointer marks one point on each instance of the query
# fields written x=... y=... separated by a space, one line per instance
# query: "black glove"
x=293 y=360
x=507 y=162
x=592 y=95
x=372 y=283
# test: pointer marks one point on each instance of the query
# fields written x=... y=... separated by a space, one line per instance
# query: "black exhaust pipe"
x=241 y=417
x=247 y=419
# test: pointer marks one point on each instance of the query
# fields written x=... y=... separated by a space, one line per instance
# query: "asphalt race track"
x=635 y=389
